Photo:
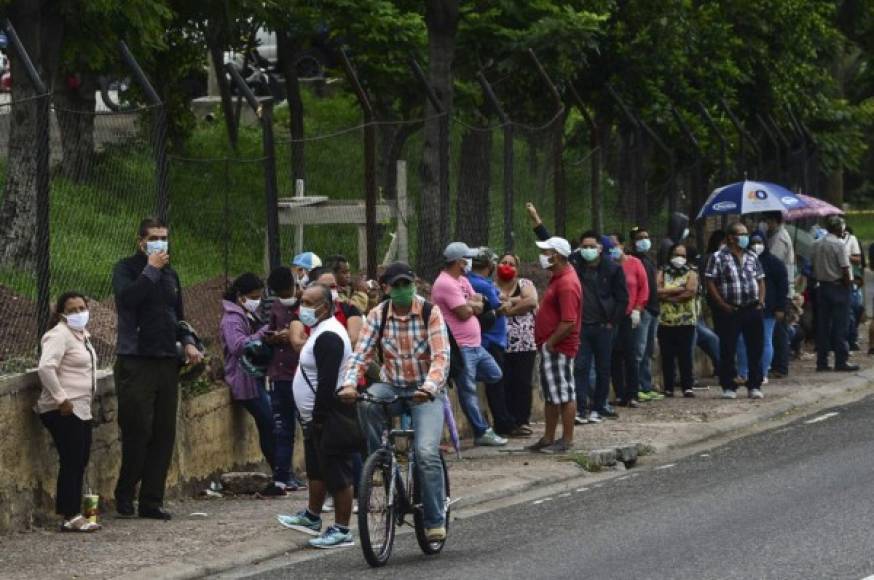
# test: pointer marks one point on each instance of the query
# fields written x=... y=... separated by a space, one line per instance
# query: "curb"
x=256 y=551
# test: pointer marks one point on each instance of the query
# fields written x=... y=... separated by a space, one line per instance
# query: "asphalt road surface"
x=797 y=502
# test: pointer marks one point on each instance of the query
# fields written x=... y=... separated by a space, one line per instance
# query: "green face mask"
x=403 y=295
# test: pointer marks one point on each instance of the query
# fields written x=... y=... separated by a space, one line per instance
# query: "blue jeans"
x=707 y=341
x=261 y=411
x=767 y=350
x=478 y=366
x=857 y=308
x=427 y=419
x=644 y=342
x=596 y=343
x=284 y=416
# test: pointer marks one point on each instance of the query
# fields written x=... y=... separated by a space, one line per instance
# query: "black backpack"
x=456 y=361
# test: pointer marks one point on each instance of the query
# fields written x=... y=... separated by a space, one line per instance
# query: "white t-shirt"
x=304 y=395
x=852 y=245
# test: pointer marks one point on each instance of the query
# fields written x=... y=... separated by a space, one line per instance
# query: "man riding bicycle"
x=415 y=357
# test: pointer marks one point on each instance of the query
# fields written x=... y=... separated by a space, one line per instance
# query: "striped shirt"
x=415 y=355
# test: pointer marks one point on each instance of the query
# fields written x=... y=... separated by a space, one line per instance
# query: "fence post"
x=595 y=152
x=159 y=130
x=403 y=212
x=42 y=198
x=508 y=159
x=369 y=162
x=264 y=111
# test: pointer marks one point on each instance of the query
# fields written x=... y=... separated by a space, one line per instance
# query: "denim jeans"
x=596 y=343
x=780 y=361
x=729 y=327
x=262 y=412
x=284 y=415
x=767 y=350
x=857 y=308
x=427 y=422
x=832 y=322
x=644 y=342
x=478 y=366
x=708 y=342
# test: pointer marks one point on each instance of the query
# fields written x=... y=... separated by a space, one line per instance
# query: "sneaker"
x=557 y=448
x=580 y=420
x=729 y=394
x=295 y=484
x=490 y=439
x=273 y=489
x=594 y=417
x=355 y=506
x=740 y=381
x=756 y=394
x=669 y=394
x=846 y=367
x=764 y=380
x=541 y=444
x=436 y=534
x=301 y=522
x=689 y=393
x=332 y=538
x=610 y=413
x=328 y=506
x=655 y=396
x=644 y=396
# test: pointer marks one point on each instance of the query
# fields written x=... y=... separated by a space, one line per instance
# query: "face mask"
x=288 y=302
x=589 y=254
x=643 y=245
x=468 y=264
x=308 y=316
x=545 y=262
x=402 y=295
x=678 y=262
x=77 y=321
x=685 y=234
x=743 y=241
x=156 y=246
x=758 y=249
x=251 y=305
x=335 y=295
x=303 y=281
x=615 y=253
x=506 y=272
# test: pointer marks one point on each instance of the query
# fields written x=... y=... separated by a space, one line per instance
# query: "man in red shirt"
x=557 y=334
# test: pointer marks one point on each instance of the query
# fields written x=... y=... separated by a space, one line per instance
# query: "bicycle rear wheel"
x=376 y=517
x=428 y=547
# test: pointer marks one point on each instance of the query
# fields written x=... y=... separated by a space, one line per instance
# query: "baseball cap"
x=457 y=251
x=484 y=255
x=560 y=245
x=397 y=271
x=307 y=261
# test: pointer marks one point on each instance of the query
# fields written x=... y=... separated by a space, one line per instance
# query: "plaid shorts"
x=556 y=377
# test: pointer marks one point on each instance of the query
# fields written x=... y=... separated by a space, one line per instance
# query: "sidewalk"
x=238 y=531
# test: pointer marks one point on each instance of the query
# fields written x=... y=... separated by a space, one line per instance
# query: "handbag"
x=341 y=430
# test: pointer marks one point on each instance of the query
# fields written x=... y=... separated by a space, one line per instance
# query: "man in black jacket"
x=605 y=297
x=148 y=300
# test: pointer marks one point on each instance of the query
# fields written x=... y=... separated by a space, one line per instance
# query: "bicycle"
x=388 y=482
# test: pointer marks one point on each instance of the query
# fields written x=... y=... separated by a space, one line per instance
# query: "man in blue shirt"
x=493 y=325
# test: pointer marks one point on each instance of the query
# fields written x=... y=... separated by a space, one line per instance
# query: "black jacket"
x=612 y=289
x=776 y=283
x=149 y=306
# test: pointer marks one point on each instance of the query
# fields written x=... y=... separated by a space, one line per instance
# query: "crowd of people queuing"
x=302 y=346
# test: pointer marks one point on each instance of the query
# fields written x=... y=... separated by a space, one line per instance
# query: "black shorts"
x=335 y=469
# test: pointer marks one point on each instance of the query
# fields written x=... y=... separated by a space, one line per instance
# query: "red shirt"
x=637 y=283
x=561 y=303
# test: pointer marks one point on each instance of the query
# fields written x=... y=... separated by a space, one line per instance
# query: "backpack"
x=456 y=361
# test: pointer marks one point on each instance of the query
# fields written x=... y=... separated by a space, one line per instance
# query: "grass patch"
x=583 y=461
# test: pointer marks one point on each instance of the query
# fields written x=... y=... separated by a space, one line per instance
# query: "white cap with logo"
x=560 y=245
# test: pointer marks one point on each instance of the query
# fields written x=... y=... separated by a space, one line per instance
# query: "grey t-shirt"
x=593 y=311
x=829 y=258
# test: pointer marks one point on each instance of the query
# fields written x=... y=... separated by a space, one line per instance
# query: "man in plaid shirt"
x=735 y=283
x=415 y=356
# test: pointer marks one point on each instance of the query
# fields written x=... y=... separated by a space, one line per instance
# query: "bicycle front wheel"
x=430 y=547
x=376 y=510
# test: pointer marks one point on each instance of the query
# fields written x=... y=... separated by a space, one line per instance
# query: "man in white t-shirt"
x=460 y=306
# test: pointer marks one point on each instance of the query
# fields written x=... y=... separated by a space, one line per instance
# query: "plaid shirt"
x=736 y=279
x=414 y=355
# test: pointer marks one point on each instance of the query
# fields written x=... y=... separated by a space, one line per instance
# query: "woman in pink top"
x=624 y=366
x=67 y=371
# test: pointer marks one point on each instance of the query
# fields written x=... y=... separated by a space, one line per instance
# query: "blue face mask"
x=615 y=253
x=643 y=245
x=308 y=316
x=589 y=254
x=743 y=241
x=156 y=246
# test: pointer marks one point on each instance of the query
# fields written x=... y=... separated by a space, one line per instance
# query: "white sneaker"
x=764 y=380
x=756 y=394
x=729 y=394
x=580 y=420
x=594 y=417
x=328 y=506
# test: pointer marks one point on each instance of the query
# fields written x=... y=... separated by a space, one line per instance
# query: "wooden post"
x=403 y=213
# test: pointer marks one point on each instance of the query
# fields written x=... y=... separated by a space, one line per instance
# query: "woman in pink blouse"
x=67 y=370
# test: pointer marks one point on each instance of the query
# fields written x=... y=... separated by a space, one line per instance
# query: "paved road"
x=797 y=502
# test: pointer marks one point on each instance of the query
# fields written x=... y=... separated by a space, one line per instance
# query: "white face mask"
x=545 y=262
x=468 y=265
x=335 y=295
x=289 y=302
x=77 y=321
x=758 y=248
x=156 y=246
x=251 y=305
x=678 y=261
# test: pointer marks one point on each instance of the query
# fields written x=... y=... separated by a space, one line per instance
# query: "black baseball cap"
x=397 y=271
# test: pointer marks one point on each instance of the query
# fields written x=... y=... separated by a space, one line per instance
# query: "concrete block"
x=604 y=457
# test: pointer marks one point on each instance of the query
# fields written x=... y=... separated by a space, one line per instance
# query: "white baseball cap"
x=560 y=245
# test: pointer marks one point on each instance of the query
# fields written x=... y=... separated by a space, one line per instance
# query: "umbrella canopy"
x=746 y=197
x=813 y=208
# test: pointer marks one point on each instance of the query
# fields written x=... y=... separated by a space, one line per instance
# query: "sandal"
x=80 y=524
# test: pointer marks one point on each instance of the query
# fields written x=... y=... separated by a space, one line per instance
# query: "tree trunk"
x=441 y=18
x=392 y=138
x=75 y=111
x=472 y=203
x=834 y=193
x=41 y=31
x=216 y=54
x=558 y=184
x=288 y=51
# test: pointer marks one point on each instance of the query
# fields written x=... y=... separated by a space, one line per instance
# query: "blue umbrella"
x=746 y=197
